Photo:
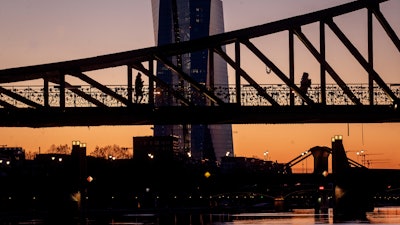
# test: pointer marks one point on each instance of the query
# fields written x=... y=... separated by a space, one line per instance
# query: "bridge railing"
x=249 y=95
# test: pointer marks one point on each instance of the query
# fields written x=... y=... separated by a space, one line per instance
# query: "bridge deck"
x=142 y=114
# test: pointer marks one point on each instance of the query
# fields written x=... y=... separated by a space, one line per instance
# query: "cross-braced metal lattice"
x=58 y=94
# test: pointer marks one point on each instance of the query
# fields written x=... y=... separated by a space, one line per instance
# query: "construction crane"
x=363 y=156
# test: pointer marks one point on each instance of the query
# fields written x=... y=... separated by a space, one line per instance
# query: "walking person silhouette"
x=138 y=88
x=305 y=83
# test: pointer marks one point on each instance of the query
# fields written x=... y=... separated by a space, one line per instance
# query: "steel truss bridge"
x=56 y=101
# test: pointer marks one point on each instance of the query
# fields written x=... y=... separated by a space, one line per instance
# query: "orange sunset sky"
x=45 y=31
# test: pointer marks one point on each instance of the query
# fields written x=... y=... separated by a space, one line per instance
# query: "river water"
x=384 y=215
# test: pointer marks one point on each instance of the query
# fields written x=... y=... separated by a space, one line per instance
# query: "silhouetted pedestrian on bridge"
x=138 y=88
x=305 y=83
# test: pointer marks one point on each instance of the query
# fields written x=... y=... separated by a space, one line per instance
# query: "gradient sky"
x=45 y=31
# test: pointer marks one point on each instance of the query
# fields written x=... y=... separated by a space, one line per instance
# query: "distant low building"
x=156 y=147
x=50 y=164
x=253 y=165
x=11 y=156
x=51 y=157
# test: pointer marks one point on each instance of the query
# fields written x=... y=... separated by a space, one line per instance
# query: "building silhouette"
x=155 y=148
x=178 y=21
x=11 y=156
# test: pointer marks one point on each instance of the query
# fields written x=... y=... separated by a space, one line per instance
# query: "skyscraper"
x=182 y=20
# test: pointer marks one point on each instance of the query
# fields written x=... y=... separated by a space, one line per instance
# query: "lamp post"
x=266 y=153
x=362 y=154
x=305 y=153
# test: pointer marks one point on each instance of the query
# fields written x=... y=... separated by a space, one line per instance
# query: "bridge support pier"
x=279 y=204
x=352 y=198
x=79 y=175
x=322 y=205
x=352 y=190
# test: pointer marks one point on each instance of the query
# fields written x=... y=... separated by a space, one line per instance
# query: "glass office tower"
x=182 y=20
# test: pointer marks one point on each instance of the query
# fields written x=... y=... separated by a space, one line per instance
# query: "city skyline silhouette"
x=33 y=37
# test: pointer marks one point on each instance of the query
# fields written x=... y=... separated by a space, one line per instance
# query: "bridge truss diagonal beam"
x=330 y=70
x=262 y=92
x=277 y=71
x=386 y=26
x=75 y=90
x=87 y=97
x=19 y=98
x=101 y=87
x=7 y=105
x=361 y=59
x=163 y=85
x=189 y=79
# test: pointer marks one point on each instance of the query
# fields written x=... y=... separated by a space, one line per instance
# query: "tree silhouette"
x=30 y=155
x=114 y=151
x=60 y=149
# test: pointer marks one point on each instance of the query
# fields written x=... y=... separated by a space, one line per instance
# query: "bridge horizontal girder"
x=146 y=115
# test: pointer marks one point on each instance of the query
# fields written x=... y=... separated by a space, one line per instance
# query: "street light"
x=362 y=154
x=266 y=155
x=337 y=138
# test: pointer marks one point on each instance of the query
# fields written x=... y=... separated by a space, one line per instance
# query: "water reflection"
x=385 y=215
